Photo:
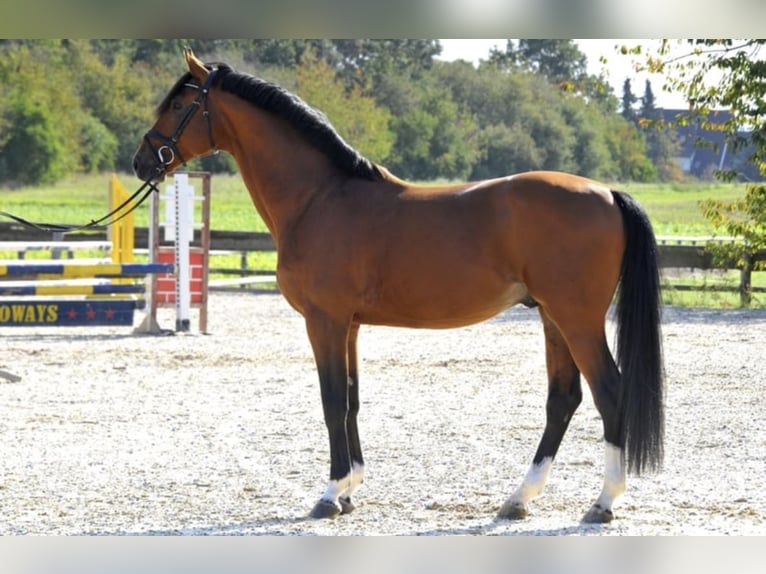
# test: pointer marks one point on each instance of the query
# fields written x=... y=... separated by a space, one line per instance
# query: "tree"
x=117 y=94
x=42 y=112
x=359 y=62
x=629 y=100
x=525 y=122
x=423 y=118
x=648 y=106
x=509 y=121
x=738 y=69
x=436 y=137
x=355 y=115
x=661 y=145
x=34 y=151
x=627 y=146
x=373 y=59
x=591 y=150
x=558 y=60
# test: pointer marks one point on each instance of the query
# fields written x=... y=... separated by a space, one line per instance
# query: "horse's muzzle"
x=146 y=167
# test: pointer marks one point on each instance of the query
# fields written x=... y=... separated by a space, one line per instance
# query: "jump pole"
x=179 y=228
x=188 y=285
x=149 y=323
x=121 y=233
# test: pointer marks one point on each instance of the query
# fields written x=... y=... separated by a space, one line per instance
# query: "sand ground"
x=113 y=433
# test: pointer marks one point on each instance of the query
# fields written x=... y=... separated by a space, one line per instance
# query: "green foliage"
x=590 y=150
x=435 y=137
x=526 y=124
x=355 y=115
x=557 y=60
x=629 y=100
x=743 y=218
x=535 y=108
x=121 y=94
x=628 y=147
x=510 y=126
x=660 y=145
x=367 y=61
x=41 y=140
x=34 y=151
x=99 y=146
x=90 y=113
x=739 y=86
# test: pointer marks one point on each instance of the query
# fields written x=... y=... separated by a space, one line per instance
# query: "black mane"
x=309 y=122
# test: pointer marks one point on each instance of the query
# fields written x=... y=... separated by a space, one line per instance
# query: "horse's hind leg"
x=564 y=396
x=591 y=353
x=604 y=380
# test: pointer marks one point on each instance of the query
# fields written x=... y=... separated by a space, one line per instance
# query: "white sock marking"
x=534 y=482
x=346 y=486
x=614 y=476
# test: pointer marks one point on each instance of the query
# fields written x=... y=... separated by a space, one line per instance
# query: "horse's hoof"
x=513 y=511
x=325 y=509
x=346 y=506
x=598 y=515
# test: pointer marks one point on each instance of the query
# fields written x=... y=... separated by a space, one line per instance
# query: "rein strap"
x=94 y=222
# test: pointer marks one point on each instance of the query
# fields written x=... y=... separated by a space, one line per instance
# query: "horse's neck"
x=281 y=171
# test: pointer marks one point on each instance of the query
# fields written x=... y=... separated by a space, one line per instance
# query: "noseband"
x=168 y=151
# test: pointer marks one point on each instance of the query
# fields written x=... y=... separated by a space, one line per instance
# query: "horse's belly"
x=449 y=306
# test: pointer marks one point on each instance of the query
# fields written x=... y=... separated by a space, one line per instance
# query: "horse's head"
x=182 y=130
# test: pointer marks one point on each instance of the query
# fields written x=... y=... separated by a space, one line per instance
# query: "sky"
x=616 y=70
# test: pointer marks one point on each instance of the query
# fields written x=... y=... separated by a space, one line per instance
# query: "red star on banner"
x=90 y=313
x=72 y=313
x=109 y=314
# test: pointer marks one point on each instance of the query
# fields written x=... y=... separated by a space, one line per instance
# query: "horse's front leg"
x=354 y=444
x=329 y=340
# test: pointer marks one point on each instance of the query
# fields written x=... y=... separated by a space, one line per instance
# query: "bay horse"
x=357 y=245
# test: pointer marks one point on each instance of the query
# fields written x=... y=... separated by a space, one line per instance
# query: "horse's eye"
x=177 y=105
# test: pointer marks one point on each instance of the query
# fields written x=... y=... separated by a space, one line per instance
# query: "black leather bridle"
x=168 y=151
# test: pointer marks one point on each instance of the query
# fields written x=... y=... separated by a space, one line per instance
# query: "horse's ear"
x=196 y=67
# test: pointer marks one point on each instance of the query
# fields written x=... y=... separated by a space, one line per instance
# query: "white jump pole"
x=179 y=228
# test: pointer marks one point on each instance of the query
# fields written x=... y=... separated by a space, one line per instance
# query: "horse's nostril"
x=135 y=165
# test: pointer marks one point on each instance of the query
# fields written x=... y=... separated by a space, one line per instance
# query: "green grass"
x=673 y=208
x=707 y=289
x=75 y=200
x=79 y=199
x=231 y=206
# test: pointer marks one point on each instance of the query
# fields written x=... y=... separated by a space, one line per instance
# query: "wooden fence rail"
x=675 y=253
x=691 y=253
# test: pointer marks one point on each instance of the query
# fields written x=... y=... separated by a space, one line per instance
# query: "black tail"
x=639 y=344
